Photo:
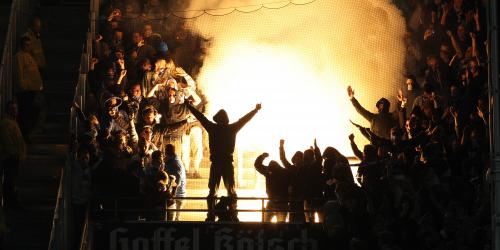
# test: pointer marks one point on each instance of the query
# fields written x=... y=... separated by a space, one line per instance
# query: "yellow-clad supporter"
x=33 y=33
x=12 y=151
x=28 y=87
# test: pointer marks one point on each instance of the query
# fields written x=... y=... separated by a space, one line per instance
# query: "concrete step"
x=59 y=95
x=66 y=30
x=47 y=149
x=60 y=17
x=63 y=100
x=75 y=2
x=63 y=33
x=33 y=223
x=54 y=128
x=74 y=45
x=65 y=86
x=57 y=77
x=60 y=58
x=41 y=195
x=53 y=75
x=53 y=139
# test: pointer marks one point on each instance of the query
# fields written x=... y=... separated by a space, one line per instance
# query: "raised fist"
x=351 y=137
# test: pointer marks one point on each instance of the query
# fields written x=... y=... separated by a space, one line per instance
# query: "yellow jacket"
x=26 y=72
x=36 y=48
x=11 y=139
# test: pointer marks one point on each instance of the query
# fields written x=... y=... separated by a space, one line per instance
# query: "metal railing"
x=56 y=221
x=115 y=210
x=21 y=12
x=61 y=235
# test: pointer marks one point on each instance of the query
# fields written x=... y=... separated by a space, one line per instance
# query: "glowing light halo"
x=299 y=102
x=302 y=57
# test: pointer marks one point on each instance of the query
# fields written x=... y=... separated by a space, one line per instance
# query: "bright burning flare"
x=297 y=61
x=298 y=100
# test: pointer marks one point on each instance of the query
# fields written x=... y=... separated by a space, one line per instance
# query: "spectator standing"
x=276 y=187
x=381 y=122
x=295 y=190
x=12 y=151
x=33 y=33
x=222 y=139
x=174 y=166
x=143 y=50
x=29 y=86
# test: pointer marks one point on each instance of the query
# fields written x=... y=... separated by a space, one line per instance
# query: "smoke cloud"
x=298 y=61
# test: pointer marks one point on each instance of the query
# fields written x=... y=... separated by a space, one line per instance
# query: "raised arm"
x=191 y=94
x=246 y=118
x=259 y=166
x=201 y=117
x=454 y=42
x=400 y=112
x=474 y=45
x=446 y=10
x=123 y=73
x=362 y=111
x=152 y=91
x=476 y=20
x=456 y=122
x=453 y=60
x=355 y=148
x=134 y=137
x=317 y=152
x=362 y=130
x=189 y=80
x=283 y=159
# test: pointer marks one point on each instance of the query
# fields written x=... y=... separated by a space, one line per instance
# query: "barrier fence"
x=106 y=221
x=62 y=227
x=116 y=209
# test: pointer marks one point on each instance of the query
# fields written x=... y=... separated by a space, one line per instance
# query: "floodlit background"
x=297 y=61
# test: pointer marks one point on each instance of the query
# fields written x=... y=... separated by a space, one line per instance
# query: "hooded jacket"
x=276 y=178
x=221 y=134
x=382 y=122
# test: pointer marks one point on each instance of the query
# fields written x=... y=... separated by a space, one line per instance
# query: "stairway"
x=63 y=33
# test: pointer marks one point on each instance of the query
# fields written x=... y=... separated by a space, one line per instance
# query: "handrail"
x=20 y=11
x=61 y=228
x=263 y=210
x=57 y=216
x=85 y=234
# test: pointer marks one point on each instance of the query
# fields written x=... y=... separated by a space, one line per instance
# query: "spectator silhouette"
x=276 y=187
x=381 y=122
x=221 y=138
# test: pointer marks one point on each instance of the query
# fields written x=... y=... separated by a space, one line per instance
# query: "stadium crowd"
x=422 y=182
